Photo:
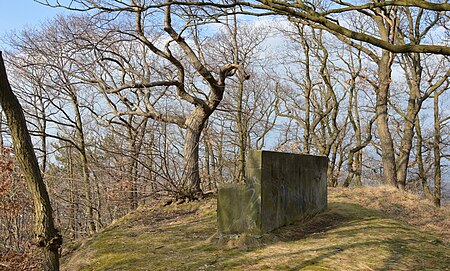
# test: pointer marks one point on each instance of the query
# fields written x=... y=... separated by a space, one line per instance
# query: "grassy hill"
x=363 y=229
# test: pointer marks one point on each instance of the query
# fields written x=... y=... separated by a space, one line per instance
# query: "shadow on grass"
x=345 y=237
x=350 y=237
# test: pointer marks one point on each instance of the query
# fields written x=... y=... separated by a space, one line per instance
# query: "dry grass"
x=404 y=206
x=363 y=229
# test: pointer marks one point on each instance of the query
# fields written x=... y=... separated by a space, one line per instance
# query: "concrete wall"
x=280 y=188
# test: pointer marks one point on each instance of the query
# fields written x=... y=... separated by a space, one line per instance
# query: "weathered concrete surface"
x=240 y=208
x=281 y=188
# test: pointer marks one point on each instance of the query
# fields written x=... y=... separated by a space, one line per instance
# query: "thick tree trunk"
x=47 y=235
x=382 y=97
x=194 y=126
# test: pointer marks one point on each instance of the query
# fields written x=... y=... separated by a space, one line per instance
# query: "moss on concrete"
x=280 y=189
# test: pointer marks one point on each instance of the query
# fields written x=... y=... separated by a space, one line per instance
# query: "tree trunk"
x=242 y=128
x=43 y=129
x=47 y=235
x=207 y=161
x=194 y=126
x=437 y=152
x=414 y=78
x=406 y=142
x=84 y=163
x=73 y=210
x=420 y=163
x=382 y=97
x=358 y=169
x=332 y=169
x=1 y=130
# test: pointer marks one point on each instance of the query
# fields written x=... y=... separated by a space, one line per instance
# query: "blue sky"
x=16 y=14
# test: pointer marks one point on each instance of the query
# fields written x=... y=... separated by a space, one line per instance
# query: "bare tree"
x=46 y=234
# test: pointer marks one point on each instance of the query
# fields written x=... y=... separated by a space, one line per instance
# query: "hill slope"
x=363 y=229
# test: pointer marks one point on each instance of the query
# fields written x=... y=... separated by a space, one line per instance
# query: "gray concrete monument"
x=280 y=188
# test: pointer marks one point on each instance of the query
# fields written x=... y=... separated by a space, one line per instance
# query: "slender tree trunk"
x=212 y=159
x=133 y=183
x=350 y=169
x=242 y=128
x=332 y=170
x=307 y=91
x=414 y=79
x=358 y=132
x=353 y=113
x=43 y=128
x=88 y=192
x=1 y=130
x=358 y=168
x=85 y=166
x=47 y=235
x=241 y=122
x=420 y=163
x=406 y=143
x=150 y=162
x=207 y=161
x=220 y=156
x=437 y=152
x=72 y=212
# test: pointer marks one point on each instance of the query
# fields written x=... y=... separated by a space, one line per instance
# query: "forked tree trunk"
x=406 y=143
x=47 y=236
x=412 y=111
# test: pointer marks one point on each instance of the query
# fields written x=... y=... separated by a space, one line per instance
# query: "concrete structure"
x=280 y=188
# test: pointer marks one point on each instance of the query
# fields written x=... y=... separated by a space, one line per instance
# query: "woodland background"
x=128 y=103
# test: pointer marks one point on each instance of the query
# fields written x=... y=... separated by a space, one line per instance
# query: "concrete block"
x=280 y=189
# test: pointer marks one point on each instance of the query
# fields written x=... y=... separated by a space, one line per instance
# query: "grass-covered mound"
x=363 y=229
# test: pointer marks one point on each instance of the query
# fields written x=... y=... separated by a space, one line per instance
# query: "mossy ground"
x=351 y=235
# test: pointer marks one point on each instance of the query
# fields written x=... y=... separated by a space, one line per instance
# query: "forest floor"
x=362 y=229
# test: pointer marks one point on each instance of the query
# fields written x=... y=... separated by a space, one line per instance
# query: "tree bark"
x=420 y=164
x=84 y=163
x=437 y=152
x=414 y=78
x=406 y=142
x=47 y=235
x=194 y=126
x=382 y=98
x=243 y=131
